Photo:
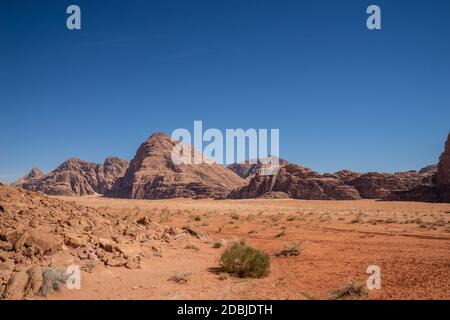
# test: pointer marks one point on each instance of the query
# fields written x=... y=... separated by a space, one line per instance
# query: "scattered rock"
x=74 y=240
x=116 y=262
x=6 y=246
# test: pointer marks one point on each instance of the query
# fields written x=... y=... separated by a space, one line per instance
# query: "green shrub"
x=245 y=262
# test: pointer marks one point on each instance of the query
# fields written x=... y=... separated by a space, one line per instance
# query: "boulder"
x=15 y=288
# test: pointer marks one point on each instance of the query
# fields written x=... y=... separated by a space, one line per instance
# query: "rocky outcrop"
x=41 y=236
x=442 y=177
x=75 y=177
x=248 y=170
x=153 y=175
x=375 y=185
x=436 y=190
x=429 y=170
x=29 y=181
x=299 y=183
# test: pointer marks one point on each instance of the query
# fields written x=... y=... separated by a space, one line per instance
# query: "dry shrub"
x=244 y=261
x=217 y=245
x=352 y=291
x=290 y=249
x=181 y=277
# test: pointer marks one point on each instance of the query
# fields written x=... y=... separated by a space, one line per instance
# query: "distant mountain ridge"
x=75 y=177
x=152 y=174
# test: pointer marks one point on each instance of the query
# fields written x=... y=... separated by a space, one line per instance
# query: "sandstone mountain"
x=28 y=181
x=297 y=182
x=303 y=183
x=376 y=185
x=153 y=175
x=75 y=177
x=442 y=177
x=438 y=190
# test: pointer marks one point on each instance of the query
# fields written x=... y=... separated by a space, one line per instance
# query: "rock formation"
x=442 y=177
x=153 y=175
x=436 y=191
x=75 y=177
x=299 y=183
x=375 y=185
x=247 y=170
x=29 y=181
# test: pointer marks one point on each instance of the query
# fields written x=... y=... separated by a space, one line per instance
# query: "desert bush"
x=197 y=218
x=192 y=246
x=181 y=277
x=217 y=245
x=351 y=291
x=290 y=249
x=244 y=261
x=280 y=234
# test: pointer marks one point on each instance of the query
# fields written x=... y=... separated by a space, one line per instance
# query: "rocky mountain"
x=30 y=179
x=376 y=185
x=436 y=190
x=248 y=170
x=299 y=183
x=153 y=175
x=303 y=183
x=75 y=177
x=442 y=177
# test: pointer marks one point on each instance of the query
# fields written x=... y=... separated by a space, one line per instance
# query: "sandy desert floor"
x=338 y=240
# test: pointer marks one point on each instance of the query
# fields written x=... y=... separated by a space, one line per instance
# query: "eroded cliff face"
x=153 y=175
x=299 y=183
x=442 y=177
x=438 y=189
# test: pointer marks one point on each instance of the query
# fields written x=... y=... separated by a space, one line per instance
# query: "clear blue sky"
x=341 y=95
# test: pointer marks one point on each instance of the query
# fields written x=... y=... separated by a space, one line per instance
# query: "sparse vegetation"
x=290 y=249
x=351 y=291
x=181 y=277
x=192 y=246
x=244 y=261
x=217 y=245
x=357 y=219
x=280 y=234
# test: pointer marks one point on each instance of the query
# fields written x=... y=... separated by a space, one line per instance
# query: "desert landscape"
x=151 y=229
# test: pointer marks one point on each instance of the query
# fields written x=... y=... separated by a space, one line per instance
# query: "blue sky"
x=342 y=96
